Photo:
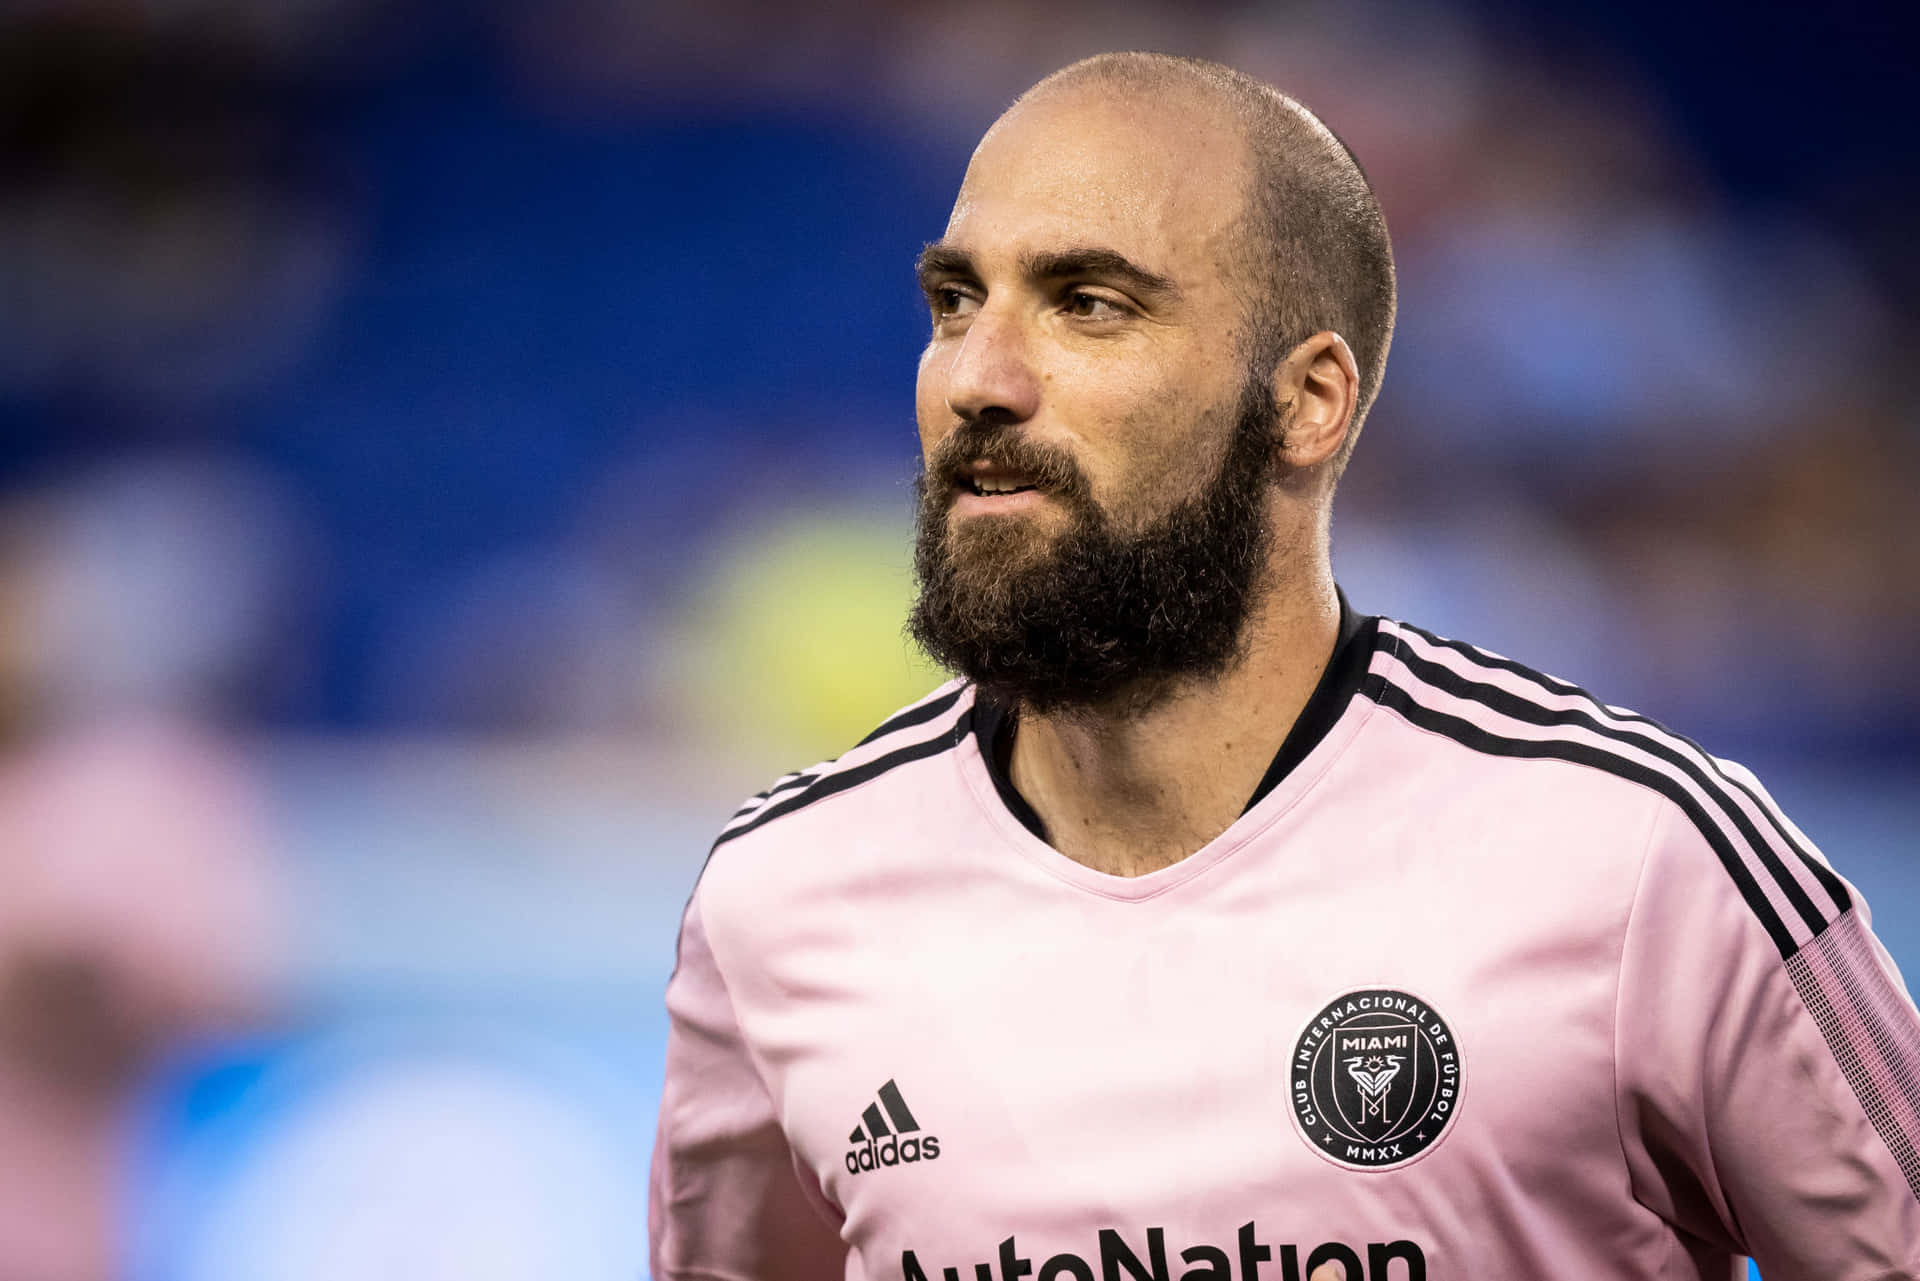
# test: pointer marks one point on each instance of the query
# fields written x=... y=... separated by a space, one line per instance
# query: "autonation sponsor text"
x=1146 y=1256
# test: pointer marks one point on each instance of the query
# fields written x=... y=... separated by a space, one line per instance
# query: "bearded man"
x=1205 y=928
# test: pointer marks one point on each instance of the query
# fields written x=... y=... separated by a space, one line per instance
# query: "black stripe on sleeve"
x=1514 y=707
x=820 y=781
x=1470 y=735
x=790 y=783
x=782 y=783
x=834 y=782
x=918 y=715
x=915 y=715
x=1829 y=880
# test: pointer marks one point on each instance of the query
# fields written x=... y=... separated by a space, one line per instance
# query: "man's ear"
x=1321 y=381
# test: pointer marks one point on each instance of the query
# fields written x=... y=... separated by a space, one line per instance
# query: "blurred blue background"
x=450 y=453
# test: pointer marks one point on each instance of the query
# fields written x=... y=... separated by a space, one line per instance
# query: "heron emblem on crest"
x=1373 y=1075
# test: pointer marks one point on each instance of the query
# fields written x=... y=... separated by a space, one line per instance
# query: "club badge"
x=1375 y=1079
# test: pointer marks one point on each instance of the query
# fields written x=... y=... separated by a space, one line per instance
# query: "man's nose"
x=993 y=370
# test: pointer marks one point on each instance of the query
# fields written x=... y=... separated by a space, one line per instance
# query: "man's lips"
x=967 y=502
x=988 y=479
x=986 y=487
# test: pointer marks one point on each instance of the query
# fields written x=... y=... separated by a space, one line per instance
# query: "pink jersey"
x=1489 y=982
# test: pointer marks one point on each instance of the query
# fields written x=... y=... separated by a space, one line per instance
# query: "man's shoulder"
x=1500 y=707
x=1503 y=709
x=1710 y=809
x=798 y=853
x=924 y=729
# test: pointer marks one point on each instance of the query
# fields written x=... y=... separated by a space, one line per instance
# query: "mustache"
x=1049 y=468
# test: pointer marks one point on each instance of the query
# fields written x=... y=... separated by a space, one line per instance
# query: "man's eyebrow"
x=938 y=260
x=1099 y=264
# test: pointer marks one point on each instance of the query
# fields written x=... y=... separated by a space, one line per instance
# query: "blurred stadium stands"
x=452 y=452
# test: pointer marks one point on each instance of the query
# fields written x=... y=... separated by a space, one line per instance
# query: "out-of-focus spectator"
x=136 y=911
x=176 y=584
x=138 y=900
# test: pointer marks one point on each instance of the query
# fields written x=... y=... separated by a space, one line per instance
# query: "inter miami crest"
x=1375 y=1079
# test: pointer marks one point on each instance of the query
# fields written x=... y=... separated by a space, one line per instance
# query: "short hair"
x=1313 y=249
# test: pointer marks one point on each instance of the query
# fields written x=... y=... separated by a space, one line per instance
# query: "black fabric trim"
x=902 y=720
x=785 y=782
x=1829 y=880
x=919 y=715
x=990 y=723
x=1345 y=671
x=1517 y=708
x=1481 y=740
x=833 y=783
x=916 y=715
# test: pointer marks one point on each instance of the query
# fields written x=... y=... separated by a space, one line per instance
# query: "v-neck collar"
x=992 y=723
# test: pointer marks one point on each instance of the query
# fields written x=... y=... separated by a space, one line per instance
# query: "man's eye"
x=951 y=300
x=1092 y=306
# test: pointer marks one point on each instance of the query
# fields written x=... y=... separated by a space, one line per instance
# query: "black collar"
x=993 y=723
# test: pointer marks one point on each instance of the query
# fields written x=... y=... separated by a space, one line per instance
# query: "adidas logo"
x=877 y=1144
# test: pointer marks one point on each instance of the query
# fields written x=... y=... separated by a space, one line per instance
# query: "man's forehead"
x=1151 y=180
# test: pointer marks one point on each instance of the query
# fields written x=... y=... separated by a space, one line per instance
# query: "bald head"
x=1310 y=250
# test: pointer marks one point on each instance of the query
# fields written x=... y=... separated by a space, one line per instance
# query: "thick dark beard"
x=1096 y=615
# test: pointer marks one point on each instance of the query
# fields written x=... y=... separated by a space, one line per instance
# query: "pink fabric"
x=1109 y=1066
x=1759 y=811
x=1388 y=664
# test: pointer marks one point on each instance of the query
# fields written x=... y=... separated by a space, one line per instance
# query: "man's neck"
x=1129 y=789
